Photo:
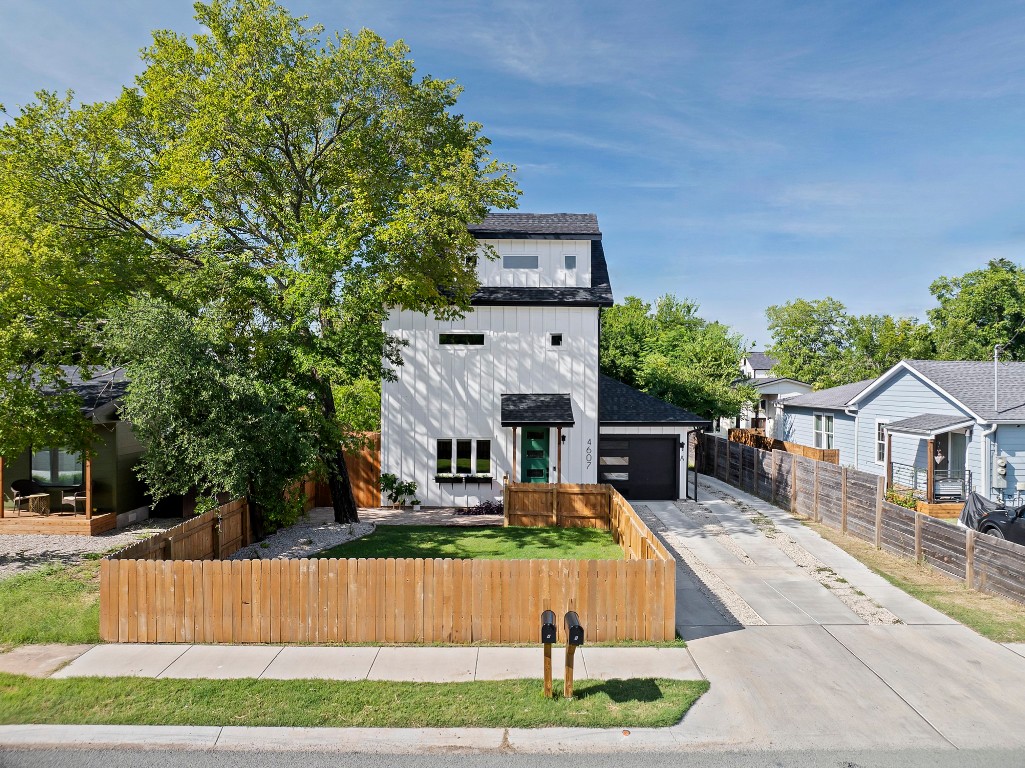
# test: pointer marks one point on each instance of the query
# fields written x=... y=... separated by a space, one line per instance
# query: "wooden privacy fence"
x=756 y=438
x=154 y=600
x=381 y=600
x=213 y=535
x=853 y=502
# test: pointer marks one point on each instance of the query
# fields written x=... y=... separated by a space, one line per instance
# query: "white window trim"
x=529 y=255
x=815 y=433
x=552 y=347
x=875 y=443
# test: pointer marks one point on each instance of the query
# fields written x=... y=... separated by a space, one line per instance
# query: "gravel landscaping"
x=25 y=552
x=313 y=532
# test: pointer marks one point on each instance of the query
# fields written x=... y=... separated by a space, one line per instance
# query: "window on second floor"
x=519 y=261
x=571 y=261
x=823 y=430
x=461 y=338
x=880 y=441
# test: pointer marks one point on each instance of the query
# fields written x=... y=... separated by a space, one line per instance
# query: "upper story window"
x=461 y=339
x=56 y=466
x=555 y=339
x=571 y=261
x=519 y=261
x=823 y=430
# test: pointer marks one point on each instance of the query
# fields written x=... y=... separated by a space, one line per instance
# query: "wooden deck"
x=57 y=524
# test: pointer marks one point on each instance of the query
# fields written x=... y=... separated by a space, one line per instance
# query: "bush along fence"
x=386 y=600
x=853 y=502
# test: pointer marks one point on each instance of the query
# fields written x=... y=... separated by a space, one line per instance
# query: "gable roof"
x=96 y=388
x=760 y=361
x=969 y=384
x=528 y=225
x=835 y=398
x=619 y=403
x=599 y=294
x=543 y=410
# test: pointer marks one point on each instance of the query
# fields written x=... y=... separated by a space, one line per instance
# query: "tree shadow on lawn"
x=621 y=691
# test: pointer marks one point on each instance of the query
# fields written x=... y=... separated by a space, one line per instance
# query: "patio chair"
x=21 y=490
x=72 y=496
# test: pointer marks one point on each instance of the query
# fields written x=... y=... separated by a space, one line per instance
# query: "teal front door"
x=535 y=455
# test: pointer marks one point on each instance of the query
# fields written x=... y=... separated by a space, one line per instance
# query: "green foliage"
x=281 y=187
x=670 y=352
x=213 y=415
x=904 y=499
x=820 y=343
x=978 y=310
x=397 y=491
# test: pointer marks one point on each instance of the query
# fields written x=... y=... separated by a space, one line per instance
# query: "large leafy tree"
x=284 y=185
x=820 y=343
x=978 y=310
x=669 y=351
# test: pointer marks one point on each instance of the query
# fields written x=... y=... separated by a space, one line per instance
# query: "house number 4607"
x=588 y=454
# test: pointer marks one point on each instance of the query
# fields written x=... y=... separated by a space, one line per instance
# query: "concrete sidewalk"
x=413 y=664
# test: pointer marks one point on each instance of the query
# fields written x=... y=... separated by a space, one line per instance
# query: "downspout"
x=857 y=436
x=986 y=480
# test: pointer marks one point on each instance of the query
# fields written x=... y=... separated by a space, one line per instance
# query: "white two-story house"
x=513 y=389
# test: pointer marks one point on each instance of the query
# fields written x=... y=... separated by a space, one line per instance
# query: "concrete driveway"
x=854 y=662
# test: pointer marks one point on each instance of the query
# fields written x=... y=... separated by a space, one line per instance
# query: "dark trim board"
x=488 y=235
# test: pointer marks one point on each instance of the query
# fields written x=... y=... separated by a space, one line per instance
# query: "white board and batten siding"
x=551 y=271
x=453 y=391
x=681 y=433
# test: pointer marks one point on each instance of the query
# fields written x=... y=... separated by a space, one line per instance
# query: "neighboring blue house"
x=922 y=414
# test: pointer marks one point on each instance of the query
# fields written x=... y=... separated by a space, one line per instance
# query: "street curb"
x=352 y=740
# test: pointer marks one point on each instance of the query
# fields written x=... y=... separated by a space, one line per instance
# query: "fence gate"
x=693 y=449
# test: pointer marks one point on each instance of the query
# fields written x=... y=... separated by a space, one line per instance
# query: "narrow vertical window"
x=483 y=464
x=444 y=457
x=464 y=462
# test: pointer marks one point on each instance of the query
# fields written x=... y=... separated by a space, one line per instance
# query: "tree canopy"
x=265 y=191
x=670 y=352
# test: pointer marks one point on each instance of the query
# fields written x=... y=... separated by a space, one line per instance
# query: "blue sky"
x=740 y=154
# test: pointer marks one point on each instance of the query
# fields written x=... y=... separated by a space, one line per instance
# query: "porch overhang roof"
x=928 y=424
x=537 y=410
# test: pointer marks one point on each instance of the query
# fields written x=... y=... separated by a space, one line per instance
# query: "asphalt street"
x=104 y=758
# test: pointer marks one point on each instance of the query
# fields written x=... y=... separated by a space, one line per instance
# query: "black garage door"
x=640 y=467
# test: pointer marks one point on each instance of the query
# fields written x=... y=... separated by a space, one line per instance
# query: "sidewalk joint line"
x=272 y=658
x=172 y=661
x=372 y=663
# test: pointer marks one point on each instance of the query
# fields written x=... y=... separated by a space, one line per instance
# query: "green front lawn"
x=322 y=703
x=483 y=542
x=55 y=604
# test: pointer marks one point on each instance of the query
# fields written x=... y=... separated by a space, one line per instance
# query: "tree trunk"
x=342 y=498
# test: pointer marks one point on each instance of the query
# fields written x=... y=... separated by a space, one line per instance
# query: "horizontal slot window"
x=462 y=339
x=614 y=445
x=519 y=261
x=535 y=473
x=614 y=461
x=616 y=476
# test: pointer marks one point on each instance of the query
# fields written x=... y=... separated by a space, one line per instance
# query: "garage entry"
x=642 y=467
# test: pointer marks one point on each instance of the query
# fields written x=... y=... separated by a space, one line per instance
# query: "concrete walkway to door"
x=816 y=674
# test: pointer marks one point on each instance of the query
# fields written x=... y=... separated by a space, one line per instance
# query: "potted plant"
x=397 y=491
x=416 y=505
x=448 y=477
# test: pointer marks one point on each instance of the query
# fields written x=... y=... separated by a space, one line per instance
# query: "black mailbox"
x=574 y=630
x=548 y=630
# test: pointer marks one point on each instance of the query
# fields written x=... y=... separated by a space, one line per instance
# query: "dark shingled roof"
x=96 y=388
x=528 y=224
x=834 y=397
x=760 y=361
x=927 y=423
x=619 y=403
x=598 y=295
x=542 y=410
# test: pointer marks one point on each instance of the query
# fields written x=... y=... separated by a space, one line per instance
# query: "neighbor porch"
x=938 y=476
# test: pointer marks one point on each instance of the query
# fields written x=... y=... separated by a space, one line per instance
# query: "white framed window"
x=823 y=429
x=519 y=261
x=463 y=456
x=556 y=340
x=461 y=339
x=571 y=261
x=881 y=441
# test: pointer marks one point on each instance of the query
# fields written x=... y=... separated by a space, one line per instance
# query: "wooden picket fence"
x=212 y=535
x=853 y=502
x=411 y=600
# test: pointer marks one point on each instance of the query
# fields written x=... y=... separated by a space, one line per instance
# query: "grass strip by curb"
x=481 y=542
x=994 y=617
x=321 y=703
